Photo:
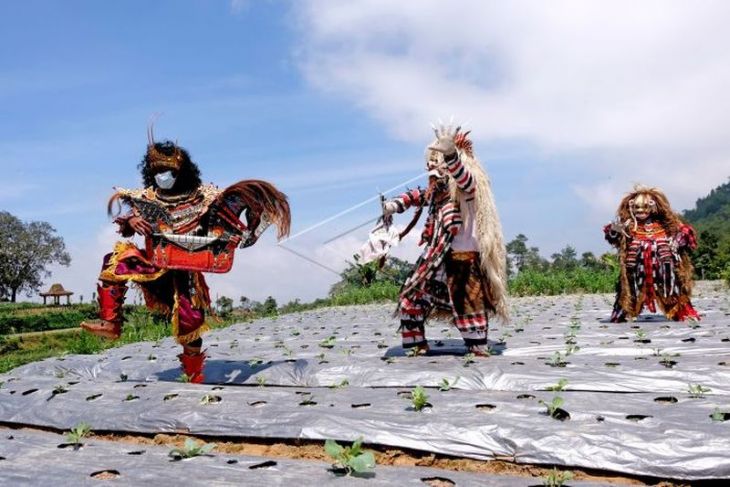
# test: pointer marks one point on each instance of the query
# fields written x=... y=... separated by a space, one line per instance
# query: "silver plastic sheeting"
x=22 y=452
x=627 y=396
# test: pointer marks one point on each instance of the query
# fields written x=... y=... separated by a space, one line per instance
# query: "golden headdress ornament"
x=159 y=160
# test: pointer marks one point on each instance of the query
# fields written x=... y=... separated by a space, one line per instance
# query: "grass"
x=140 y=325
x=554 y=282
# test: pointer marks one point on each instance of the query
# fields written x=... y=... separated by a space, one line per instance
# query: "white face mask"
x=165 y=180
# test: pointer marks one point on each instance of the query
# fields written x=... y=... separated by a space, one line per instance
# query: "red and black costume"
x=189 y=228
x=654 y=246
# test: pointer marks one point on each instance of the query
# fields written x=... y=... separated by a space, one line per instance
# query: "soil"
x=314 y=450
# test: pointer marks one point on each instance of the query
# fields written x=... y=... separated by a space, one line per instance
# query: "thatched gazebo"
x=56 y=291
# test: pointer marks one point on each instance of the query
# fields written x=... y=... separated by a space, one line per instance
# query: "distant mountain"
x=711 y=219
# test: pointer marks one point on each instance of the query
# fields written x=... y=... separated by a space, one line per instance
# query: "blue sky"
x=569 y=105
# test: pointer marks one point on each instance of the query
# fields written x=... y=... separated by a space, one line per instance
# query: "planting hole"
x=525 y=396
x=689 y=340
x=600 y=419
x=561 y=414
x=518 y=363
x=169 y=397
x=725 y=340
x=438 y=481
x=136 y=452
x=612 y=364
x=131 y=398
x=637 y=417
x=308 y=402
x=105 y=475
x=266 y=464
x=217 y=388
x=486 y=407
x=721 y=416
x=666 y=400
x=257 y=404
x=29 y=391
x=126 y=358
x=139 y=386
x=232 y=462
x=360 y=406
x=93 y=397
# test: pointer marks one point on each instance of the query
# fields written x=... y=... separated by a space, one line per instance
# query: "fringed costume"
x=461 y=272
x=189 y=228
x=654 y=246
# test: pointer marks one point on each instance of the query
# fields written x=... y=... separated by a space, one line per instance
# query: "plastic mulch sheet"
x=21 y=453
x=339 y=373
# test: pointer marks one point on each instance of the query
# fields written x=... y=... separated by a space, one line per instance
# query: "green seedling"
x=468 y=359
x=560 y=386
x=556 y=478
x=183 y=378
x=445 y=385
x=351 y=459
x=571 y=348
x=210 y=399
x=261 y=380
x=328 y=342
x=557 y=360
x=640 y=334
x=344 y=383
x=78 y=433
x=255 y=362
x=419 y=398
x=697 y=391
x=191 y=449
x=718 y=415
x=666 y=359
x=553 y=406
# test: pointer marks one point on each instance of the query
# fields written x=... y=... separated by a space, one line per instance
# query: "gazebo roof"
x=57 y=290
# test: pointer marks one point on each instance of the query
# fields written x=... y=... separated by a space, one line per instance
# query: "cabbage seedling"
x=352 y=459
x=191 y=449
x=419 y=398
x=78 y=433
x=552 y=407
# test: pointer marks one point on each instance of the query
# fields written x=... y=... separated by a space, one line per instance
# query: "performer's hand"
x=390 y=207
x=444 y=139
x=140 y=226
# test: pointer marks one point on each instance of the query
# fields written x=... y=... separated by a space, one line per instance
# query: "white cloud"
x=639 y=89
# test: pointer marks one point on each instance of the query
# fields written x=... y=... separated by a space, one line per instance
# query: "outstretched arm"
x=399 y=204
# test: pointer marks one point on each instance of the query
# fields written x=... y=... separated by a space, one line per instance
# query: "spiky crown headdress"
x=159 y=160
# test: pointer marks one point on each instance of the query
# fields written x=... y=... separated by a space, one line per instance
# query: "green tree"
x=224 y=305
x=565 y=259
x=270 y=307
x=26 y=250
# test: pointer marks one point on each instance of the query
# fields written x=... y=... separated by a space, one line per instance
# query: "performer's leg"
x=111 y=301
x=188 y=325
x=412 y=318
x=469 y=300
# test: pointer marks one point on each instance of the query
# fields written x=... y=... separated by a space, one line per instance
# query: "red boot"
x=111 y=300
x=193 y=365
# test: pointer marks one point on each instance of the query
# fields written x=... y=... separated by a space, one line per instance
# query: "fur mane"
x=490 y=242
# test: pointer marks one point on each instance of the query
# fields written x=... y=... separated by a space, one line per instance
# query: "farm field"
x=627 y=403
